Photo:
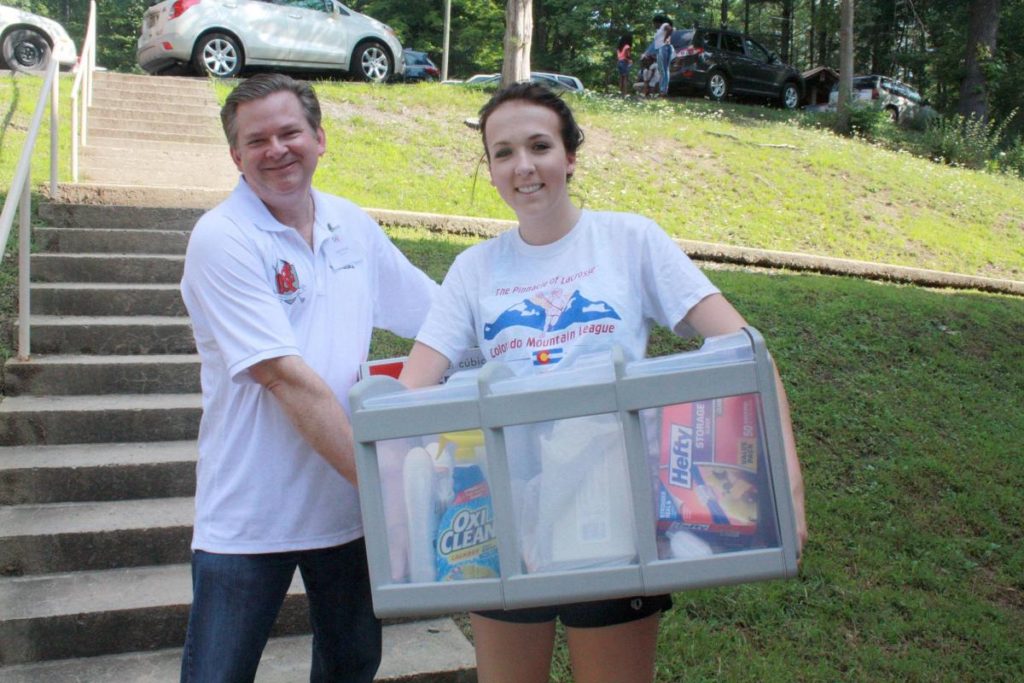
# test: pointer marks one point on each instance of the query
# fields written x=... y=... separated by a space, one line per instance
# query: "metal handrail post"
x=24 y=253
x=74 y=136
x=54 y=135
x=84 y=130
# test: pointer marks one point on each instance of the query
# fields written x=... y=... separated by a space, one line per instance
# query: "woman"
x=663 y=50
x=568 y=267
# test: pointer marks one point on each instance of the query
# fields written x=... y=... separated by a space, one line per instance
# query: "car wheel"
x=894 y=114
x=718 y=86
x=218 y=55
x=372 y=62
x=790 y=96
x=26 y=50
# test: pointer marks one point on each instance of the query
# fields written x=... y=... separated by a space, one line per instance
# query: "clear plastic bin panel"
x=437 y=505
x=710 y=477
x=570 y=494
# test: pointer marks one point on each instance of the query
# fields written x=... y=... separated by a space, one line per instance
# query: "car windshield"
x=417 y=58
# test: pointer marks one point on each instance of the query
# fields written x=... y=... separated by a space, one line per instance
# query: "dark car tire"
x=371 y=62
x=718 y=86
x=790 y=96
x=26 y=50
x=894 y=114
x=217 y=55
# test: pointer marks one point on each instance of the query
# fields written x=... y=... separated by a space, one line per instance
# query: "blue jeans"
x=236 y=599
x=664 y=61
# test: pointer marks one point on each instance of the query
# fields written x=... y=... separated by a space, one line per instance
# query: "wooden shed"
x=818 y=83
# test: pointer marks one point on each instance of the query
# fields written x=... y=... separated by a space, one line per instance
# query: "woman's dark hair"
x=626 y=39
x=534 y=93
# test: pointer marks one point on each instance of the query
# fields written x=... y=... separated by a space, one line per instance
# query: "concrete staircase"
x=156 y=132
x=97 y=465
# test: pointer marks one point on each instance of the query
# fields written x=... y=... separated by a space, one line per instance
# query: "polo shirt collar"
x=260 y=215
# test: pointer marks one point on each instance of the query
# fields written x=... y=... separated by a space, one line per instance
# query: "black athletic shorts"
x=587 y=614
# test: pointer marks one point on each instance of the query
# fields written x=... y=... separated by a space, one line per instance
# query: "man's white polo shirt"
x=254 y=290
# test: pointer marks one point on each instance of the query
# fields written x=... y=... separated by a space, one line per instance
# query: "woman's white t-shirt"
x=541 y=307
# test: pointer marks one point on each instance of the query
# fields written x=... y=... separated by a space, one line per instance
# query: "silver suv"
x=220 y=37
x=897 y=99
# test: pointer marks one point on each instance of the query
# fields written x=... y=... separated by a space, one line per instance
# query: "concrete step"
x=90 y=206
x=160 y=96
x=85 y=614
x=51 y=420
x=104 y=298
x=140 y=81
x=98 y=135
x=155 y=152
x=96 y=472
x=68 y=537
x=111 y=240
x=429 y=651
x=155 y=119
x=69 y=375
x=144 y=79
x=117 y=335
x=166 y=178
x=104 y=101
x=165 y=268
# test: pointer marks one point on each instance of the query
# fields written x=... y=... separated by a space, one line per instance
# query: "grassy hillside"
x=743 y=175
x=736 y=174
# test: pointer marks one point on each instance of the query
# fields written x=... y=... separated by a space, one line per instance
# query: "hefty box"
x=708 y=466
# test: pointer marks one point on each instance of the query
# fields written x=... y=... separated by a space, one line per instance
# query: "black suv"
x=720 y=62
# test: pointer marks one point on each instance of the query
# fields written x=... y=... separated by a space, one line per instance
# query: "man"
x=283 y=285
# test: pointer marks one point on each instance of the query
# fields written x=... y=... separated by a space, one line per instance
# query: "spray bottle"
x=425 y=485
x=466 y=546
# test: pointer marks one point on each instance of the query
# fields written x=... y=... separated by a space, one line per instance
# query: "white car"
x=28 y=41
x=898 y=100
x=220 y=37
x=553 y=81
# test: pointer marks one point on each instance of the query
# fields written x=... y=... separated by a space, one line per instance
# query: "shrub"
x=968 y=142
x=1011 y=159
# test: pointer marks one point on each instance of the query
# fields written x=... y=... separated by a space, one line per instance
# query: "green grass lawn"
x=908 y=403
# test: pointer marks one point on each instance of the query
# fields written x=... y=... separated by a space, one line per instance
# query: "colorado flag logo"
x=547 y=356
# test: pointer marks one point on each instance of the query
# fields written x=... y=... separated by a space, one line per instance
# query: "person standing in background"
x=624 y=54
x=663 y=50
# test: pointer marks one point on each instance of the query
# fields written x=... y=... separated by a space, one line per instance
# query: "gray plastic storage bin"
x=609 y=478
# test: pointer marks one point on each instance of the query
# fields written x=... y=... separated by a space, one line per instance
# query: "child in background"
x=625 y=60
x=649 y=76
x=497 y=294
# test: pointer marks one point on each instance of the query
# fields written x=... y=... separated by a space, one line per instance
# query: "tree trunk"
x=845 y=66
x=981 y=48
x=787 y=32
x=518 y=33
x=725 y=12
x=810 y=39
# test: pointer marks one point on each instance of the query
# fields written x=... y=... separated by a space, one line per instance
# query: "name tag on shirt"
x=340 y=256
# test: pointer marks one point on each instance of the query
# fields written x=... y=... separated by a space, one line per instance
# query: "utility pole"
x=447 y=28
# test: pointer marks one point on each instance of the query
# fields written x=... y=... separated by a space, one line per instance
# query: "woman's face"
x=528 y=161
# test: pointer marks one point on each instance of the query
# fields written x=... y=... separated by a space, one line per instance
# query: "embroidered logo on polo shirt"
x=287 y=280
